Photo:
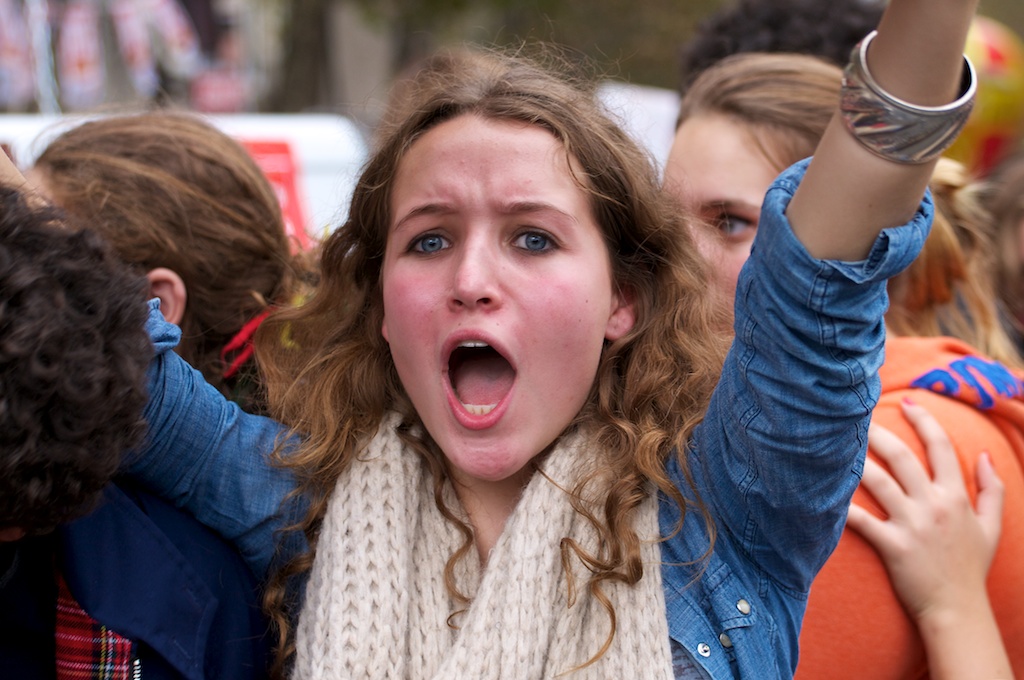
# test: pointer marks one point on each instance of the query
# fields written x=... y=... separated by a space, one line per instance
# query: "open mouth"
x=480 y=376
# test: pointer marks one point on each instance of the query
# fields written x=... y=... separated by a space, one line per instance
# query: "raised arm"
x=937 y=548
x=850 y=193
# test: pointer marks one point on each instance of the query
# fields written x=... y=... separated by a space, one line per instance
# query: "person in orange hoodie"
x=741 y=123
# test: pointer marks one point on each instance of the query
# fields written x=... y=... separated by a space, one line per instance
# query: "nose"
x=476 y=277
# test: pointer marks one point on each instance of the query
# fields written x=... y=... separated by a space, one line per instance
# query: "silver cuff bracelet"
x=894 y=129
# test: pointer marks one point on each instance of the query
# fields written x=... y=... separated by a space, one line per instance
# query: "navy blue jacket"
x=147 y=571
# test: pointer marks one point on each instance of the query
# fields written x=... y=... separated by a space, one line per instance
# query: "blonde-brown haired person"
x=186 y=205
x=741 y=121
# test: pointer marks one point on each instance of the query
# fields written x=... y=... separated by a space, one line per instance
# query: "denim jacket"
x=776 y=458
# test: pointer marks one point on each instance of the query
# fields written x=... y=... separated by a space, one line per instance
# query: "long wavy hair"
x=652 y=386
x=786 y=101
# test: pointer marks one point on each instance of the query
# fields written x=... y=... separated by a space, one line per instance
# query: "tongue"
x=482 y=379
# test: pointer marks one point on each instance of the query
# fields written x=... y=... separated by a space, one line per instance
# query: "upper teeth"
x=473 y=344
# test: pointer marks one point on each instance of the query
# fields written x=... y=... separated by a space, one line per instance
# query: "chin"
x=488 y=467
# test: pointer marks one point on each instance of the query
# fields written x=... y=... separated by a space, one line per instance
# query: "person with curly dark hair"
x=96 y=576
x=825 y=29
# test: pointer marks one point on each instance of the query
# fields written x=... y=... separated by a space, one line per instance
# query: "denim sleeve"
x=206 y=455
x=782 y=447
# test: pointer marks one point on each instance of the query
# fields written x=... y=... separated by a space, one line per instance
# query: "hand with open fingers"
x=936 y=546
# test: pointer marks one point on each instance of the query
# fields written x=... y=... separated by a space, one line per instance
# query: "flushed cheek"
x=572 y=339
x=413 y=344
x=408 y=301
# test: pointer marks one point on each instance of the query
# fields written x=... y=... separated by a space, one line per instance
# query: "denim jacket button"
x=703 y=649
x=743 y=606
x=725 y=640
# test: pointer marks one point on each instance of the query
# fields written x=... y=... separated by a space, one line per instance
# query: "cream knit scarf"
x=377 y=607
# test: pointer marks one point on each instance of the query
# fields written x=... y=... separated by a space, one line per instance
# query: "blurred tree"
x=300 y=84
x=630 y=40
x=635 y=40
x=627 y=39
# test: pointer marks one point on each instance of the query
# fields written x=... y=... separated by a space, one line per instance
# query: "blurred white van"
x=312 y=160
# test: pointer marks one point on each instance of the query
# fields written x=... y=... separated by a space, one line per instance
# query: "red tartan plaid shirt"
x=86 y=649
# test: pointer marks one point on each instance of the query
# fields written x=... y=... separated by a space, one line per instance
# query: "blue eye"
x=431 y=243
x=735 y=227
x=534 y=241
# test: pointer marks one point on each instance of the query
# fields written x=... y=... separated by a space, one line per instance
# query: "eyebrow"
x=728 y=204
x=526 y=207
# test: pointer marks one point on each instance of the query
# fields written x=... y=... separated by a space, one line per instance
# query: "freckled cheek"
x=408 y=302
x=573 y=322
x=413 y=285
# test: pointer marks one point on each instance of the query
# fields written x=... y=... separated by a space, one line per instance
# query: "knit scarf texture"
x=376 y=605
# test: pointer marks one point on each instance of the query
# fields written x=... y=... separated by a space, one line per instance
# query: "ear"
x=167 y=285
x=622 y=316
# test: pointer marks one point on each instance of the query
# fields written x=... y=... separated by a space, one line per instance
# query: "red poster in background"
x=278 y=163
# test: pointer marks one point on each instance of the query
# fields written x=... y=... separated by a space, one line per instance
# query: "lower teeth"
x=479 y=409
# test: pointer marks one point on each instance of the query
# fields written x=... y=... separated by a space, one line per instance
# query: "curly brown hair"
x=168 y=189
x=652 y=386
x=73 y=358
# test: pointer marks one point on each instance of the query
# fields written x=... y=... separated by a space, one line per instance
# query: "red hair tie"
x=242 y=343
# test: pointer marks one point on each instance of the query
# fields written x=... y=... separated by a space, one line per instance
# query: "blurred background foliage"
x=634 y=40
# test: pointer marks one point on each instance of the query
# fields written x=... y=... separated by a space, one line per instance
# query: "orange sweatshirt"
x=855 y=626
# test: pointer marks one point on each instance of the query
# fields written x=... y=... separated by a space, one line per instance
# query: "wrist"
x=947 y=618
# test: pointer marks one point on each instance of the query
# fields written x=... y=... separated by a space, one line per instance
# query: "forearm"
x=965 y=644
x=205 y=455
x=849 y=194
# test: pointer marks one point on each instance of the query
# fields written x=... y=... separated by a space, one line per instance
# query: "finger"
x=885 y=489
x=905 y=467
x=875 y=531
x=941 y=455
x=991 y=495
